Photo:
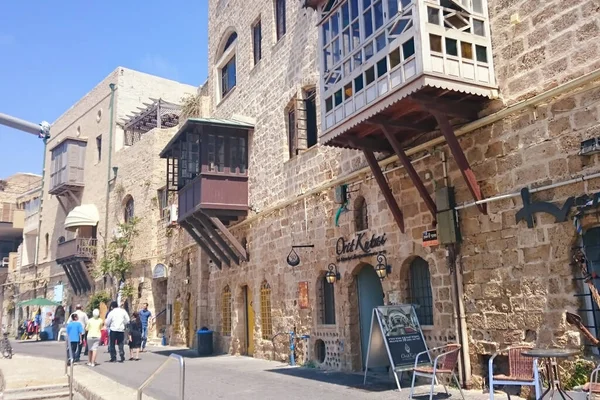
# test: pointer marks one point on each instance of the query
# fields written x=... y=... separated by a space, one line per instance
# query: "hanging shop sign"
x=395 y=340
x=430 y=238
x=560 y=214
x=359 y=247
x=303 y=295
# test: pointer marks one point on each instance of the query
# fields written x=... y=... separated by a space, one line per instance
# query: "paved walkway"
x=220 y=377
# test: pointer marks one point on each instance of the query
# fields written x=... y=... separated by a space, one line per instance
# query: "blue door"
x=370 y=295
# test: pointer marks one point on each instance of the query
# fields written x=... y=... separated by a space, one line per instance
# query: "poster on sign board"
x=395 y=340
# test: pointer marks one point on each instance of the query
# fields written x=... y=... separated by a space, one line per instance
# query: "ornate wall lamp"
x=382 y=268
x=333 y=274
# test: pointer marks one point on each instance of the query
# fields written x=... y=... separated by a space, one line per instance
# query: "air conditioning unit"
x=173 y=216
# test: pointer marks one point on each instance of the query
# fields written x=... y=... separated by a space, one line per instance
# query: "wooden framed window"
x=162 y=195
x=326 y=302
x=280 y=18
x=420 y=290
x=257 y=41
x=228 y=66
x=361 y=217
x=226 y=311
x=265 y=311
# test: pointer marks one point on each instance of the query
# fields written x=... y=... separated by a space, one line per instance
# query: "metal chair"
x=523 y=371
x=593 y=386
x=443 y=364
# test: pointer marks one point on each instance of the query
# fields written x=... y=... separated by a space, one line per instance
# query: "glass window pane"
x=329 y=104
x=408 y=48
x=368 y=23
x=369 y=51
x=381 y=67
x=370 y=75
x=347 y=42
x=478 y=6
x=358 y=83
x=336 y=51
x=378 y=12
x=380 y=42
x=420 y=290
x=347 y=68
x=348 y=91
x=326 y=33
x=435 y=43
x=433 y=15
x=357 y=59
x=220 y=144
x=405 y=3
x=395 y=58
x=481 y=53
x=355 y=35
x=392 y=8
x=345 y=15
x=335 y=24
x=328 y=303
x=242 y=155
x=478 y=27
x=338 y=97
x=451 y=47
x=366 y=4
x=466 y=50
x=353 y=9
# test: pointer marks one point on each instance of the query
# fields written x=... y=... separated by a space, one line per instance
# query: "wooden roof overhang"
x=407 y=118
x=208 y=227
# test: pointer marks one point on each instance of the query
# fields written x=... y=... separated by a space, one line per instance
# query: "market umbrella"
x=40 y=301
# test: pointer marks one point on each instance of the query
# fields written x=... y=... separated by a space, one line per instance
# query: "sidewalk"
x=26 y=371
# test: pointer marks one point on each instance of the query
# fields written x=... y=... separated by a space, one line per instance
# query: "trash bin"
x=205 y=342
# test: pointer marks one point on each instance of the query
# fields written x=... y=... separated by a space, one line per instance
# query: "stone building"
x=102 y=167
x=318 y=137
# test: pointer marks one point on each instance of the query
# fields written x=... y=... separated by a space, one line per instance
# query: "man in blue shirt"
x=74 y=333
x=145 y=316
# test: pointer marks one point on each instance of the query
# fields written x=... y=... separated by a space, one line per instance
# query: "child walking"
x=75 y=335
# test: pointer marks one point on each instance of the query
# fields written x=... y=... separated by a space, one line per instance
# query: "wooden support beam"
x=201 y=243
x=203 y=219
x=370 y=144
x=207 y=239
x=460 y=158
x=70 y=277
x=435 y=105
x=414 y=176
x=385 y=189
x=236 y=244
x=73 y=198
x=86 y=274
x=62 y=205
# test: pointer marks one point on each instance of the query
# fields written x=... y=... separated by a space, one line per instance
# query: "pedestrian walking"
x=135 y=337
x=75 y=334
x=116 y=321
x=37 y=323
x=83 y=320
x=94 y=333
x=145 y=317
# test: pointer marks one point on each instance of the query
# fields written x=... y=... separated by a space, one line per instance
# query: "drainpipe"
x=109 y=164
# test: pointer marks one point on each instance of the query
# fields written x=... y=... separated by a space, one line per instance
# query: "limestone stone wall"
x=13 y=187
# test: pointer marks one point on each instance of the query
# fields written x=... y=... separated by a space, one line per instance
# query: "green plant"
x=127 y=290
x=95 y=301
x=577 y=374
x=116 y=262
x=310 y=364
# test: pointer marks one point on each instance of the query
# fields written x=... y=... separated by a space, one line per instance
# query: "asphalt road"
x=228 y=377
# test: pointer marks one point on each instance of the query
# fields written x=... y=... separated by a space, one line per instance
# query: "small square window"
x=481 y=54
x=433 y=15
x=478 y=27
x=451 y=47
x=466 y=50
x=435 y=43
x=381 y=67
x=408 y=48
x=394 y=58
x=370 y=75
x=338 y=97
x=359 y=83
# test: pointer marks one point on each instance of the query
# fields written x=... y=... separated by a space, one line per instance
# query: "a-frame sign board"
x=395 y=340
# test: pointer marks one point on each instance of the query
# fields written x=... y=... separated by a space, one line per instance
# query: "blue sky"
x=53 y=52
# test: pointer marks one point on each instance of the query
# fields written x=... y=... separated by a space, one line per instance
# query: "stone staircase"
x=42 y=392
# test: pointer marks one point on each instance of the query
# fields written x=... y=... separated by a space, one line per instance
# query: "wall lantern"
x=382 y=268
x=333 y=274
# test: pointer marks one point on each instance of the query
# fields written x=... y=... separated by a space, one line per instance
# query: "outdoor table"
x=549 y=357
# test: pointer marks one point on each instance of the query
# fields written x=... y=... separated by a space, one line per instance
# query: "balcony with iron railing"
x=83 y=249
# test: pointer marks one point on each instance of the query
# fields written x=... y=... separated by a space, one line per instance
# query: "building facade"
x=354 y=128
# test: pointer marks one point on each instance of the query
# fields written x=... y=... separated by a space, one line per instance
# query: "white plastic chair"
x=593 y=386
x=443 y=364
x=523 y=371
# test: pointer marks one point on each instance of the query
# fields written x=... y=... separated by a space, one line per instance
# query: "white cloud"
x=158 y=65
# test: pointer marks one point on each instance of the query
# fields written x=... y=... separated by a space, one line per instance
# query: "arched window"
x=361 y=218
x=326 y=301
x=226 y=311
x=420 y=290
x=129 y=209
x=227 y=66
x=265 y=311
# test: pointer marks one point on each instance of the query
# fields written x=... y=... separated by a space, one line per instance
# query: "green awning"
x=40 y=301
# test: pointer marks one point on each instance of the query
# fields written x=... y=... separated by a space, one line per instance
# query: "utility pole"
x=42 y=131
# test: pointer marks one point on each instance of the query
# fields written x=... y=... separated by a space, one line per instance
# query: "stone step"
x=43 y=392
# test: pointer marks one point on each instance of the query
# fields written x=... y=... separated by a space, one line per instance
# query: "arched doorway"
x=370 y=295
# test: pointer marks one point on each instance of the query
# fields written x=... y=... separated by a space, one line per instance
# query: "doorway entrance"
x=370 y=295
x=249 y=314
